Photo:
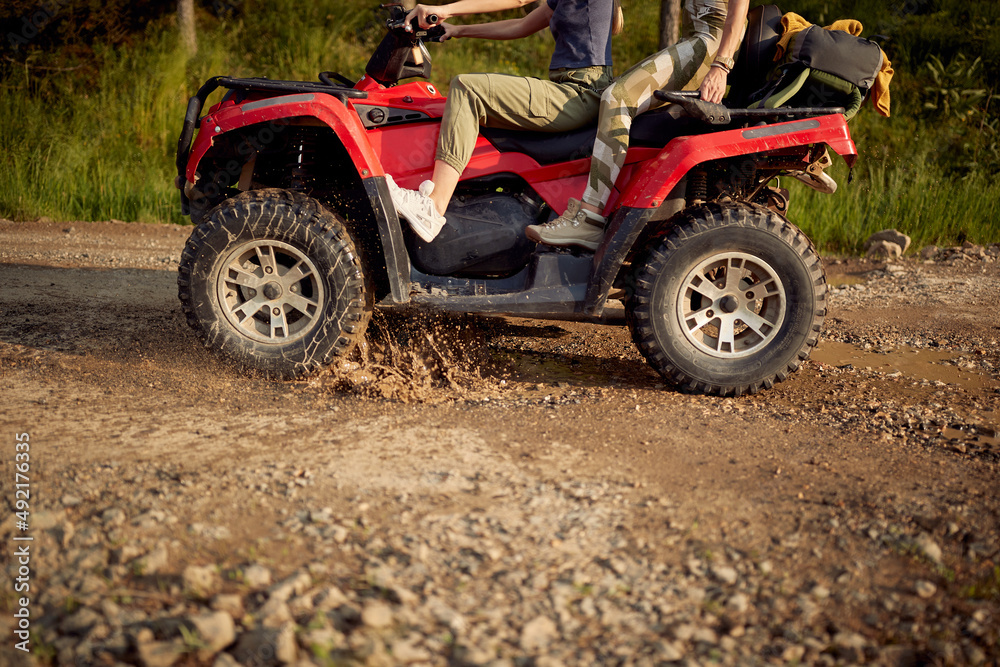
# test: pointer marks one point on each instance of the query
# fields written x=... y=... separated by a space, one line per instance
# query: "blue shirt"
x=582 y=29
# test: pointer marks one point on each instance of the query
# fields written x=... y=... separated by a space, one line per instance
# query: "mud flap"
x=397 y=261
x=623 y=231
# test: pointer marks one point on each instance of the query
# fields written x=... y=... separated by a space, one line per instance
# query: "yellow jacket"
x=792 y=24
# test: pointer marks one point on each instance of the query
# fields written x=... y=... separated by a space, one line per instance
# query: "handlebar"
x=432 y=34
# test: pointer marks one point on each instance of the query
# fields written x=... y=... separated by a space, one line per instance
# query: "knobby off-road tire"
x=729 y=301
x=272 y=281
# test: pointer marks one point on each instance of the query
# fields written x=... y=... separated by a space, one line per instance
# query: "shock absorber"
x=697 y=186
x=301 y=168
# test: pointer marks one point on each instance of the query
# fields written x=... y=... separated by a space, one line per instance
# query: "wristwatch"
x=727 y=61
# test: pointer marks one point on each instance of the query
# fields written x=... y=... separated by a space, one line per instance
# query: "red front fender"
x=660 y=176
x=275 y=110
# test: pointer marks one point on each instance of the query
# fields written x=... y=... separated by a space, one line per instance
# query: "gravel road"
x=491 y=491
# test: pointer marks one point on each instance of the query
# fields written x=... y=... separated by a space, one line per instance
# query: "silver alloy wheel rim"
x=270 y=291
x=731 y=305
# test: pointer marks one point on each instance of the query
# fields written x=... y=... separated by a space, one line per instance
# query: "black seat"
x=652 y=129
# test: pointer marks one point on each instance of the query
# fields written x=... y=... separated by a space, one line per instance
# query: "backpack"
x=819 y=67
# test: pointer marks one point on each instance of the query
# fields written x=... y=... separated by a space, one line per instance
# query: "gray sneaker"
x=574 y=227
x=417 y=208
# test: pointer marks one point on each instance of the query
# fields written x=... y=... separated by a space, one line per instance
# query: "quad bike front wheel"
x=731 y=300
x=272 y=281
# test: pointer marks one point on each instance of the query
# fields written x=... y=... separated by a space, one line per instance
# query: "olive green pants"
x=569 y=100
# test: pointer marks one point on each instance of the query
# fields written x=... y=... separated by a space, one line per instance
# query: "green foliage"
x=971 y=114
x=952 y=92
x=92 y=102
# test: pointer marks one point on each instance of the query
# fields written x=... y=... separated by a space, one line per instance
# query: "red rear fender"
x=658 y=178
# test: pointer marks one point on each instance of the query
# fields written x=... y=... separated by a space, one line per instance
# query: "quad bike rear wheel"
x=729 y=301
x=272 y=281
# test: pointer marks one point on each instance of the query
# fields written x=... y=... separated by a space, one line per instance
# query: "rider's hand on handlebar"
x=423 y=14
x=449 y=31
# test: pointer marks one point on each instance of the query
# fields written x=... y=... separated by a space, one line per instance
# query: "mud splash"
x=412 y=356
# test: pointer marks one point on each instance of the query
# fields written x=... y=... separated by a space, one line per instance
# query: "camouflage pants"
x=678 y=67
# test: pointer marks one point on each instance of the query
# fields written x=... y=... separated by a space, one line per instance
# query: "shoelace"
x=563 y=221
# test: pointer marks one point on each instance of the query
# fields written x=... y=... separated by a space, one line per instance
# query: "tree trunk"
x=670 y=22
x=185 y=23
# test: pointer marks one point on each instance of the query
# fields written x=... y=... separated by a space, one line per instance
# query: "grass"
x=94 y=150
x=900 y=188
x=98 y=142
x=987 y=587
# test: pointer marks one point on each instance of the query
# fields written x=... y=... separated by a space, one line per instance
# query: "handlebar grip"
x=432 y=19
x=435 y=33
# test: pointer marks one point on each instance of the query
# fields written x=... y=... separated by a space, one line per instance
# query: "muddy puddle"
x=986 y=436
x=845 y=280
x=978 y=433
x=922 y=365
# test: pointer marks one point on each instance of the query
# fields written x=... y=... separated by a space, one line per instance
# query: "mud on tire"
x=729 y=301
x=272 y=281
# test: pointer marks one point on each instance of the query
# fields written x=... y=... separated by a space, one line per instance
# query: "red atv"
x=296 y=237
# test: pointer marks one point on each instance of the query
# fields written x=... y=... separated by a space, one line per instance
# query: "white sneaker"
x=417 y=207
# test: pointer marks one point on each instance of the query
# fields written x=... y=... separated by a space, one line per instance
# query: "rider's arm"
x=713 y=87
x=509 y=29
x=462 y=8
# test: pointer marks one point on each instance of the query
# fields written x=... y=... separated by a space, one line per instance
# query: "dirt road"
x=562 y=504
